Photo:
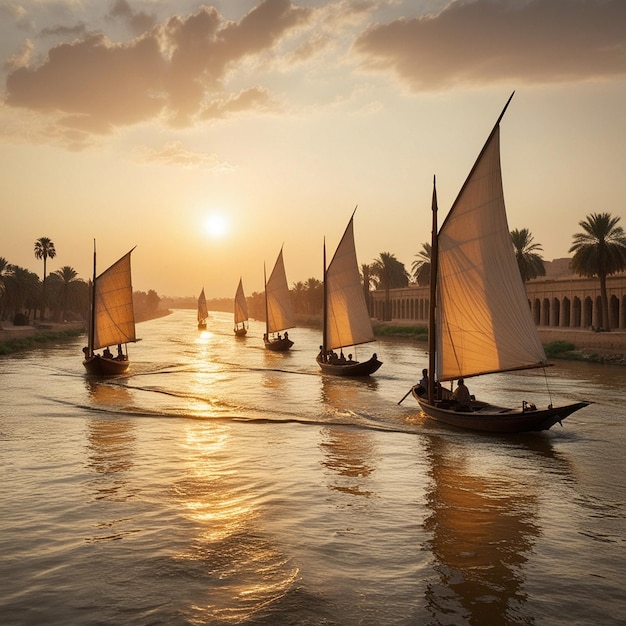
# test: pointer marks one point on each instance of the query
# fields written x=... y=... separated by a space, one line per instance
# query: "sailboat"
x=480 y=322
x=111 y=319
x=278 y=311
x=346 y=320
x=241 y=311
x=203 y=314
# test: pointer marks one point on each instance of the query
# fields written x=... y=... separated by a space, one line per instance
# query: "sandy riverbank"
x=8 y=331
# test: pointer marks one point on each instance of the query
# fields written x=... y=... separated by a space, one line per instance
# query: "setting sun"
x=215 y=225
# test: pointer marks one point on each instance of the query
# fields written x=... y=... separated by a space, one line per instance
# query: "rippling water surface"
x=219 y=483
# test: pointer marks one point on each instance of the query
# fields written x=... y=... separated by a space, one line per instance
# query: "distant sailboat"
x=241 y=312
x=480 y=322
x=111 y=319
x=278 y=311
x=346 y=317
x=203 y=314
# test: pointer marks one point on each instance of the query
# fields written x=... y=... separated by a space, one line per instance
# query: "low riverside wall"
x=613 y=342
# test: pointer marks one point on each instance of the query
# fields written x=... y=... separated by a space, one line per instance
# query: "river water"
x=219 y=483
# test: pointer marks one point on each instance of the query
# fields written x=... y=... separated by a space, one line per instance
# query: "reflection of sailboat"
x=278 y=311
x=483 y=529
x=349 y=451
x=111 y=319
x=480 y=322
x=241 y=311
x=203 y=314
x=346 y=318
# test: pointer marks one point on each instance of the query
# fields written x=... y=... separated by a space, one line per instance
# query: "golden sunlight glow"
x=216 y=225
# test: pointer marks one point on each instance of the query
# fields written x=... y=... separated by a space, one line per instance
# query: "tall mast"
x=267 y=316
x=92 y=327
x=325 y=311
x=434 y=267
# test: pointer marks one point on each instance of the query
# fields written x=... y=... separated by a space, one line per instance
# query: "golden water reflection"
x=349 y=452
x=247 y=572
x=111 y=450
x=483 y=528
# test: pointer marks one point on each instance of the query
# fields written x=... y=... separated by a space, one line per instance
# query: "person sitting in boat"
x=286 y=336
x=462 y=397
x=107 y=354
x=120 y=353
x=342 y=358
x=279 y=337
x=424 y=379
x=350 y=359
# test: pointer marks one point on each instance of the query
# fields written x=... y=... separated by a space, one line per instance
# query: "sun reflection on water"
x=229 y=545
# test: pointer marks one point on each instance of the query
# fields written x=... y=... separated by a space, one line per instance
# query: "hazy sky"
x=146 y=122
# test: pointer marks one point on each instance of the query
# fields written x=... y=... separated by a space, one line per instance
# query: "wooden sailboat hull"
x=100 y=366
x=241 y=332
x=201 y=325
x=364 y=368
x=278 y=345
x=489 y=418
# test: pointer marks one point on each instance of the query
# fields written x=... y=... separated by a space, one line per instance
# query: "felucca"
x=278 y=310
x=241 y=312
x=480 y=321
x=111 y=318
x=346 y=319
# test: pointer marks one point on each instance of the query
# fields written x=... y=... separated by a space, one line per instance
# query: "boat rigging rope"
x=545 y=375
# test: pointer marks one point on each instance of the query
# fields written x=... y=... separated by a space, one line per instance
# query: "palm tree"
x=44 y=249
x=389 y=274
x=366 y=275
x=314 y=289
x=6 y=285
x=298 y=297
x=599 y=251
x=65 y=285
x=25 y=289
x=420 y=268
x=530 y=263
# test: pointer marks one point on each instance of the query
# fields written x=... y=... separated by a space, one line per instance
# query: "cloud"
x=171 y=73
x=174 y=153
x=137 y=22
x=249 y=99
x=78 y=30
x=484 y=41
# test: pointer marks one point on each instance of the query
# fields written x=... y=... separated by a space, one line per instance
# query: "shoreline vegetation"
x=18 y=338
x=592 y=349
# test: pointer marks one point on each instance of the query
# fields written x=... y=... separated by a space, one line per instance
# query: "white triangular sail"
x=484 y=323
x=241 y=306
x=278 y=300
x=203 y=313
x=114 y=316
x=347 y=318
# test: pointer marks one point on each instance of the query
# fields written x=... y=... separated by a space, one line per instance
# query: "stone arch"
x=537 y=311
x=545 y=317
x=566 y=313
x=577 y=312
x=555 y=320
x=613 y=312
x=587 y=312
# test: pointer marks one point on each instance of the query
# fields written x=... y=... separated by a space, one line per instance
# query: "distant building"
x=559 y=300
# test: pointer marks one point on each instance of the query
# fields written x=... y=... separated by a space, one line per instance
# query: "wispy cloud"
x=484 y=41
x=175 y=153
